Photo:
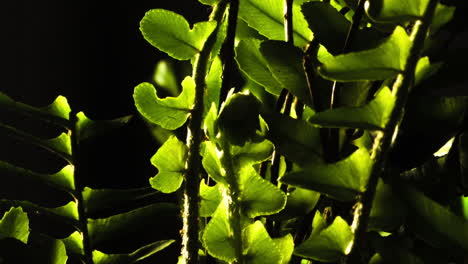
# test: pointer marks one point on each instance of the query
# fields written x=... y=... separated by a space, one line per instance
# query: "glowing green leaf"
x=424 y=70
x=212 y=163
x=137 y=255
x=170 y=161
x=209 y=2
x=74 y=243
x=383 y=62
x=171 y=33
x=261 y=247
x=251 y=152
x=372 y=116
x=252 y=63
x=300 y=202
x=342 y=180
x=328 y=244
x=170 y=112
x=210 y=197
x=267 y=17
x=286 y=246
x=117 y=226
x=259 y=196
x=390 y=11
x=213 y=84
x=288 y=70
x=165 y=77
x=57 y=112
x=62 y=180
x=88 y=128
x=15 y=224
x=217 y=238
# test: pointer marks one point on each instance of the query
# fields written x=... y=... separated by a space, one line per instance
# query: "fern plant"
x=302 y=159
x=89 y=224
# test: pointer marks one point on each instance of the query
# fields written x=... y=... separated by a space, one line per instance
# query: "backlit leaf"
x=382 y=62
x=329 y=244
x=137 y=255
x=88 y=128
x=74 y=243
x=266 y=16
x=286 y=246
x=170 y=112
x=62 y=180
x=210 y=197
x=213 y=85
x=342 y=180
x=170 y=161
x=171 y=33
x=372 y=116
x=15 y=224
x=212 y=163
x=165 y=77
x=261 y=249
x=300 y=202
x=390 y=11
x=259 y=196
x=117 y=226
x=252 y=63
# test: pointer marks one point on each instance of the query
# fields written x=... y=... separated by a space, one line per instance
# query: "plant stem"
x=190 y=214
x=384 y=140
x=234 y=207
x=78 y=192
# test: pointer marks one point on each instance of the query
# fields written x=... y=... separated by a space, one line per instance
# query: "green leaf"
x=96 y=200
x=252 y=63
x=171 y=33
x=433 y=222
x=372 y=116
x=209 y=2
x=74 y=243
x=330 y=27
x=170 y=161
x=60 y=146
x=424 y=70
x=209 y=123
x=288 y=70
x=57 y=112
x=117 y=226
x=238 y=118
x=382 y=62
x=67 y=213
x=171 y=112
x=88 y=128
x=443 y=15
x=395 y=11
x=300 y=202
x=165 y=77
x=259 y=196
x=342 y=180
x=62 y=180
x=217 y=238
x=328 y=244
x=251 y=153
x=54 y=251
x=297 y=140
x=261 y=248
x=212 y=163
x=388 y=212
x=286 y=246
x=213 y=85
x=139 y=254
x=15 y=224
x=266 y=16
x=210 y=197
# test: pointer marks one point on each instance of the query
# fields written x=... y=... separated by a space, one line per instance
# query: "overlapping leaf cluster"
x=23 y=244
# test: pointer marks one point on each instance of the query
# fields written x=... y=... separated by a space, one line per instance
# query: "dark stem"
x=191 y=200
x=78 y=192
x=228 y=49
x=384 y=140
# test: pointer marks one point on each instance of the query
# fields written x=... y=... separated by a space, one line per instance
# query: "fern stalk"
x=384 y=140
x=191 y=200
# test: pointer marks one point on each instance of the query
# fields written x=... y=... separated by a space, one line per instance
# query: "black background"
x=93 y=53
